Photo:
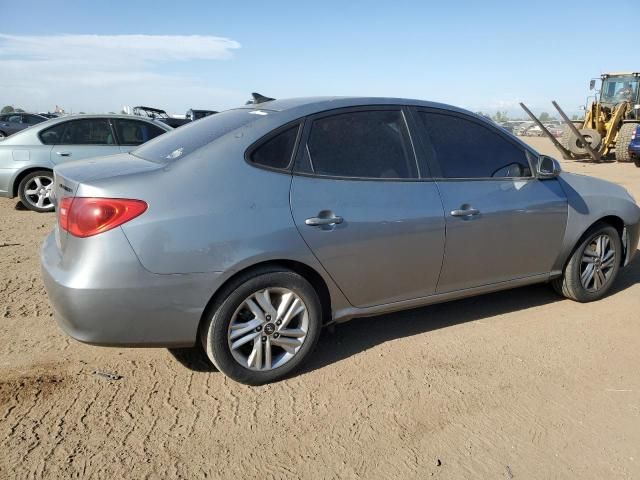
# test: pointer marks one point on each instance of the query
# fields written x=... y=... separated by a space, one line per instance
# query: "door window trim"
x=300 y=168
x=433 y=163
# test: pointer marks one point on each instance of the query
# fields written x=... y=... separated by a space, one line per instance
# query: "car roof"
x=309 y=105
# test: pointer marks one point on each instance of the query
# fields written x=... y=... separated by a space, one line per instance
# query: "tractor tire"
x=623 y=140
x=567 y=134
x=592 y=136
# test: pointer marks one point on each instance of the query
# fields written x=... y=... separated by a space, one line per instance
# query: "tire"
x=34 y=191
x=567 y=134
x=248 y=362
x=623 y=140
x=571 y=284
x=594 y=138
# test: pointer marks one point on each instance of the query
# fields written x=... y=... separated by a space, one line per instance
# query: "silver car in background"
x=27 y=158
x=250 y=230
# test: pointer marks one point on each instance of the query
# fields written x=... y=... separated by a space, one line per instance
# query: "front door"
x=358 y=202
x=502 y=222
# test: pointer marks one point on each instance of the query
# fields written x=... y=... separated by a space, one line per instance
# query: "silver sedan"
x=27 y=158
x=248 y=231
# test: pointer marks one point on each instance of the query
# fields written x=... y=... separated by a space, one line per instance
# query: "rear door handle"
x=319 y=221
x=64 y=154
x=466 y=212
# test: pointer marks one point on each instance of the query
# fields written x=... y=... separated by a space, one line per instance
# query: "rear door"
x=502 y=222
x=131 y=133
x=80 y=138
x=359 y=202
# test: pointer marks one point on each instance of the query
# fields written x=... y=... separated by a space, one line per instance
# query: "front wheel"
x=35 y=191
x=593 y=266
x=264 y=327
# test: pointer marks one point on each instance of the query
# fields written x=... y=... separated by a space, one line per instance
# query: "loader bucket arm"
x=566 y=153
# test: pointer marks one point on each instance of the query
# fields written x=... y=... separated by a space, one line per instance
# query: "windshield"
x=619 y=89
x=181 y=142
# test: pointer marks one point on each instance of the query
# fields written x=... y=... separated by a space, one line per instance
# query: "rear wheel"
x=35 y=191
x=593 y=266
x=623 y=140
x=264 y=327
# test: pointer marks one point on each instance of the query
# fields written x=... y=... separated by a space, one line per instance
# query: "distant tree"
x=19 y=110
x=501 y=116
x=81 y=113
x=545 y=117
x=7 y=109
x=112 y=113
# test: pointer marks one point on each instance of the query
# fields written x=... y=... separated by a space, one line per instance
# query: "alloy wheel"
x=268 y=329
x=38 y=192
x=597 y=264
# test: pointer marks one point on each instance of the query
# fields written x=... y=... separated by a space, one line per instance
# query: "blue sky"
x=478 y=55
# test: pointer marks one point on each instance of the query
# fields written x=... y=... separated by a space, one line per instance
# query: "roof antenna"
x=257 y=98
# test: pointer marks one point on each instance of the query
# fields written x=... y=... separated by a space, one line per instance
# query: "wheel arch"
x=612 y=220
x=23 y=173
x=302 y=269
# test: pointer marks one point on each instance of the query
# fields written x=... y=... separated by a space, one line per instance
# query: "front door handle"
x=319 y=221
x=64 y=154
x=465 y=212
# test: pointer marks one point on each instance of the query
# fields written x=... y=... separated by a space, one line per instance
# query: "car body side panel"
x=16 y=159
x=390 y=244
x=517 y=233
x=591 y=199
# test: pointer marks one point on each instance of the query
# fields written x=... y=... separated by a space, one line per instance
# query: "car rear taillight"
x=85 y=217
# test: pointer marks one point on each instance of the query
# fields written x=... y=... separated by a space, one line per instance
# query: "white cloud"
x=104 y=72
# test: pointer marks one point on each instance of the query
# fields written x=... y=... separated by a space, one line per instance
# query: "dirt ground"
x=519 y=384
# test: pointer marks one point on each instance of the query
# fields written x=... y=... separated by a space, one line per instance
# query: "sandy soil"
x=519 y=384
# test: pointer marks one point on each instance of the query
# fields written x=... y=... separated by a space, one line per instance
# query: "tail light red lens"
x=85 y=217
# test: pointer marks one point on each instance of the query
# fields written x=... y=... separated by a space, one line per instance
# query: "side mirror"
x=592 y=84
x=548 y=167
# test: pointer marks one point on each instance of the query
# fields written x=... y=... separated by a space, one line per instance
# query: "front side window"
x=466 y=149
x=90 y=131
x=277 y=151
x=363 y=144
x=135 y=132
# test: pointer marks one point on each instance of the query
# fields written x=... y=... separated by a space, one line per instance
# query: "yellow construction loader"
x=610 y=120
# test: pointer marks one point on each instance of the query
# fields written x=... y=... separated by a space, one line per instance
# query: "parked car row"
x=27 y=158
x=249 y=230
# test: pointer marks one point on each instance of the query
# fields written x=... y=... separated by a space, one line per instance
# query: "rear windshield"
x=186 y=139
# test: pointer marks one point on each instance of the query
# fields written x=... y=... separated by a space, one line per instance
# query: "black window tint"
x=466 y=149
x=135 y=132
x=53 y=135
x=90 y=131
x=15 y=119
x=277 y=151
x=192 y=136
x=368 y=144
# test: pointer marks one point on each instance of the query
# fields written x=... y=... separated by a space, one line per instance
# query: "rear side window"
x=90 y=131
x=277 y=151
x=466 y=149
x=364 y=144
x=135 y=132
x=189 y=138
x=32 y=119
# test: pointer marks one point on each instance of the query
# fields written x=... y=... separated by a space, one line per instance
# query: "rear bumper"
x=103 y=296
